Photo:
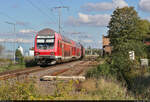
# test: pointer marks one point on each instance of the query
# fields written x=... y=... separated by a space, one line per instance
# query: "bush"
x=117 y=66
x=30 y=62
x=102 y=70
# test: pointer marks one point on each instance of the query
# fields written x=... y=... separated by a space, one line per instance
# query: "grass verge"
x=91 y=89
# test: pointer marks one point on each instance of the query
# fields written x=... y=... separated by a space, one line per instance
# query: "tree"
x=122 y=26
x=144 y=29
x=19 y=57
x=124 y=31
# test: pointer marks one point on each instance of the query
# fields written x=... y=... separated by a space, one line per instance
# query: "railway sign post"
x=131 y=55
x=144 y=62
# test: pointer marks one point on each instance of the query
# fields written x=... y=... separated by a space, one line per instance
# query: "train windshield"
x=45 y=43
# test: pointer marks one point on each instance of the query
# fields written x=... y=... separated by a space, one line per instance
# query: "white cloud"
x=100 y=42
x=144 y=5
x=147 y=18
x=21 y=40
x=103 y=6
x=74 y=32
x=87 y=41
x=89 y=20
x=22 y=23
x=98 y=6
x=119 y=3
x=27 y=31
x=84 y=36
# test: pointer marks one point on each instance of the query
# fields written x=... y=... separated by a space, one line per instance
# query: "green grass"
x=11 y=67
x=28 y=62
x=6 y=64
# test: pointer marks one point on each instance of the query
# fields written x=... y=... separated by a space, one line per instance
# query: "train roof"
x=66 y=39
x=46 y=31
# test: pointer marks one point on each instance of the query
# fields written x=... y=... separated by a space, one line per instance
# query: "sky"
x=84 y=21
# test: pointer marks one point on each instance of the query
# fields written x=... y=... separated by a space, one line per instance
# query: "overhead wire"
x=47 y=8
x=62 y=26
x=61 y=2
x=4 y=14
x=12 y=18
x=40 y=10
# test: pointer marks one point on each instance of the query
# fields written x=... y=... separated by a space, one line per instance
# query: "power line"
x=48 y=9
x=13 y=19
x=61 y=2
x=4 y=14
x=59 y=13
x=52 y=10
x=40 y=10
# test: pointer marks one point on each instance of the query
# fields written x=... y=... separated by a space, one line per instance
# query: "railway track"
x=27 y=71
x=69 y=69
x=16 y=73
x=75 y=71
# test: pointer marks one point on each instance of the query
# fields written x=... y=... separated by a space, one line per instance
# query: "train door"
x=58 y=47
x=71 y=51
x=75 y=51
x=62 y=50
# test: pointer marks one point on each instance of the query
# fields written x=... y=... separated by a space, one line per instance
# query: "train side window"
x=58 y=43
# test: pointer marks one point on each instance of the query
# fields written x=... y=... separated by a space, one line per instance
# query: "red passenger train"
x=51 y=47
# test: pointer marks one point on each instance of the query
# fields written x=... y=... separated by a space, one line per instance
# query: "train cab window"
x=45 y=43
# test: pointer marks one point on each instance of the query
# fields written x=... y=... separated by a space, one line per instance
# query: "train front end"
x=44 y=49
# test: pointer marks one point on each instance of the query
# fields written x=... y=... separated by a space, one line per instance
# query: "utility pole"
x=59 y=14
x=15 y=35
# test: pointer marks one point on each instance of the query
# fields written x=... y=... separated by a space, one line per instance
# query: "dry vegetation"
x=90 y=89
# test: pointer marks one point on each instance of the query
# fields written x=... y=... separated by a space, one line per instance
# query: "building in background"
x=31 y=51
x=106 y=45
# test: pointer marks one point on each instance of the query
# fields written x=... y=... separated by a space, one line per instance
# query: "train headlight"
x=37 y=53
x=52 y=53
